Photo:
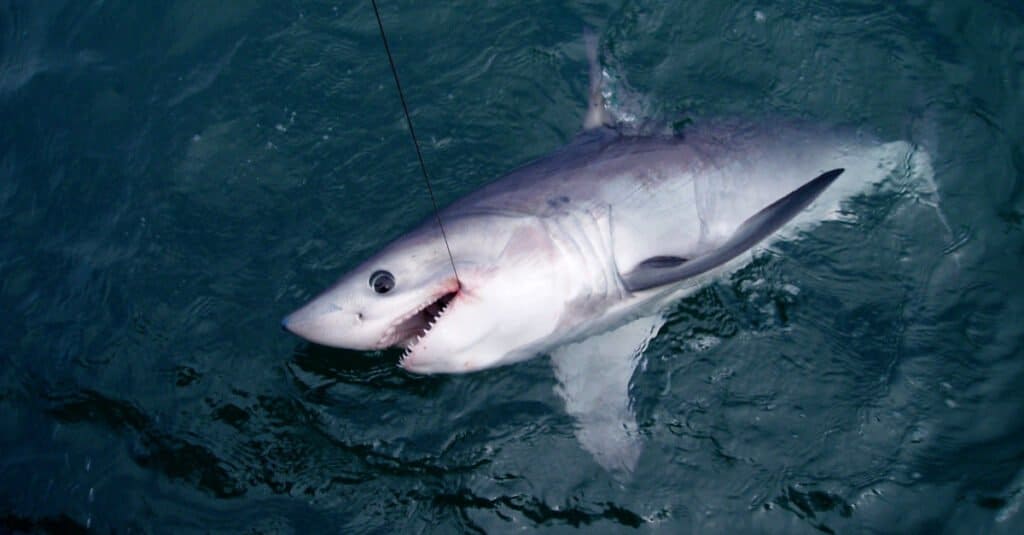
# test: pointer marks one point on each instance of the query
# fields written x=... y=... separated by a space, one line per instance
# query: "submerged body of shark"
x=577 y=254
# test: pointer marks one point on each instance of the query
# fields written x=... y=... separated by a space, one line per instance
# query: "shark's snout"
x=288 y=324
x=302 y=324
x=323 y=323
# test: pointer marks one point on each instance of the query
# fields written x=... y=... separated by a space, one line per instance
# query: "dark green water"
x=176 y=176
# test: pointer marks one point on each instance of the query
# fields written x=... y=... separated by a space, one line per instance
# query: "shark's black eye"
x=382 y=281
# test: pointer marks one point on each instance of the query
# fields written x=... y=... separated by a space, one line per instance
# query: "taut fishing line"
x=415 y=140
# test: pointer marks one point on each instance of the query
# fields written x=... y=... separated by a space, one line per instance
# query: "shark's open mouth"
x=418 y=324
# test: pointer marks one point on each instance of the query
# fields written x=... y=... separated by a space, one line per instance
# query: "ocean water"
x=176 y=176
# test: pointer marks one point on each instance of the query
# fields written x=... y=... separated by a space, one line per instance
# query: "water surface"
x=176 y=176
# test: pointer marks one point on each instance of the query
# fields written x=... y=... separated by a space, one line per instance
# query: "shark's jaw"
x=431 y=336
x=409 y=329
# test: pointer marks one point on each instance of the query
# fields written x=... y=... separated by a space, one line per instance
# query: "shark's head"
x=507 y=297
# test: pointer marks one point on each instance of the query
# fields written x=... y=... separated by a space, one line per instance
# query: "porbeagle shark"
x=577 y=254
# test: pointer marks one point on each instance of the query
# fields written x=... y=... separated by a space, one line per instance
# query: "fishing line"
x=415 y=140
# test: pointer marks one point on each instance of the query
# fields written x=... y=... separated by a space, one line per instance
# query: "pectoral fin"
x=662 y=270
x=593 y=380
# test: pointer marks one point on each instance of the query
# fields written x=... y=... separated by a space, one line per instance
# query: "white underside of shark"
x=578 y=254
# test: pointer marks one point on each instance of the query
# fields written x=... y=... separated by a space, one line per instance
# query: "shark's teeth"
x=386 y=337
x=430 y=325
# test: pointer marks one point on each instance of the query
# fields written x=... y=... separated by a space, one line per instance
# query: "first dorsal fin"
x=662 y=270
x=596 y=116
